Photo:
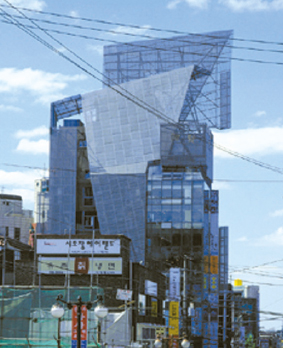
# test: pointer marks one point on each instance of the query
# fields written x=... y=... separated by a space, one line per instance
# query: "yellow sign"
x=173 y=318
x=205 y=282
x=206 y=264
x=214 y=264
x=153 y=307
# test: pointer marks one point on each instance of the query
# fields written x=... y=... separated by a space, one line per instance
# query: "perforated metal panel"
x=208 y=98
x=62 y=183
x=122 y=136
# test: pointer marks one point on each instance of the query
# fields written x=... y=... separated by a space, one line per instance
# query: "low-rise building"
x=15 y=221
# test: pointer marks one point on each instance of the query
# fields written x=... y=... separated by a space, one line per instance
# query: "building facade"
x=15 y=221
x=41 y=204
x=141 y=163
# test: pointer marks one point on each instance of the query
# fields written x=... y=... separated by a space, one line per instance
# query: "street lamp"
x=185 y=342
x=57 y=311
x=101 y=312
x=157 y=342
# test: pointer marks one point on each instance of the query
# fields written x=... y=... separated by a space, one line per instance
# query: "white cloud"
x=260 y=141
x=39 y=131
x=33 y=147
x=221 y=185
x=129 y=30
x=234 y=5
x=200 y=4
x=259 y=113
x=277 y=213
x=253 y=5
x=96 y=48
x=31 y=4
x=272 y=239
x=44 y=85
x=74 y=14
x=173 y=4
x=19 y=179
x=20 y=183
x=9 y=108
x=242 y=239
x=27 y=196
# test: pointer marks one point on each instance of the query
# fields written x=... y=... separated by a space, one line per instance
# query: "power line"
x=170 y=31
x=131 y=97
x=138 y=102
x=135 y=45
x=113 y=31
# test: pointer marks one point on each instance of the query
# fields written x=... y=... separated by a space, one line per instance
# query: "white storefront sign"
x=77 y=246
x=150 y=288
x=125 y=295
x=51 y=265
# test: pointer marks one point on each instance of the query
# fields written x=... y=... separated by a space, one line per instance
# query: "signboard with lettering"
x=150 y=288
x=77 y=246
x=64 y=265
x=173 y=318
x=175 y=277
x=83 y=327
x=213 y=264
x=124 y=295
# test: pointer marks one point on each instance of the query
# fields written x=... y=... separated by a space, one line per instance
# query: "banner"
x=83 y=326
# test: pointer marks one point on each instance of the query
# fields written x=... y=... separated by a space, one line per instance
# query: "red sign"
x=174 y=341
x=83 y=323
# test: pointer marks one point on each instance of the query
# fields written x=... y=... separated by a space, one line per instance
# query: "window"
x=88 y=191
x=176 y=239
x=87 y=196
x=7 y=231
x=17 y=233
x=197 y=239
x=89 y=221
x=17 y=255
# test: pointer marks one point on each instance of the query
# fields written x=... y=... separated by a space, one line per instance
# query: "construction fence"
x=26 y=320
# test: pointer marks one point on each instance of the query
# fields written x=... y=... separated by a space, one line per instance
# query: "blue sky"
x=251 y=197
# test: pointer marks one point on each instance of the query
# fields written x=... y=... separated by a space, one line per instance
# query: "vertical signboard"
x=211 y=269
x=154 y=307
x=83 y=327
x=214 y=277
x=173 y=318
x=175 y=276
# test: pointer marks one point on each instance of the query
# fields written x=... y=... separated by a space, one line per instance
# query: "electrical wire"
x=174 y=40
x=149 y=28
x=120 y=91
x=138 y=102
x=261 y=164
x=160 y=48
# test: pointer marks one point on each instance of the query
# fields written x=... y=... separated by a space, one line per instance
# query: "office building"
x=141 y=162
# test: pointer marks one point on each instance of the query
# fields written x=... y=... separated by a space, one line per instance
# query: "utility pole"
x=184 y=295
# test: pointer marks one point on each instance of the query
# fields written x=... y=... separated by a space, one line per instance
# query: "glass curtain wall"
x=174 y=215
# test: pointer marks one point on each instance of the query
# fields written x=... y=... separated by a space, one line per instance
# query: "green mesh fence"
x=26 y=320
